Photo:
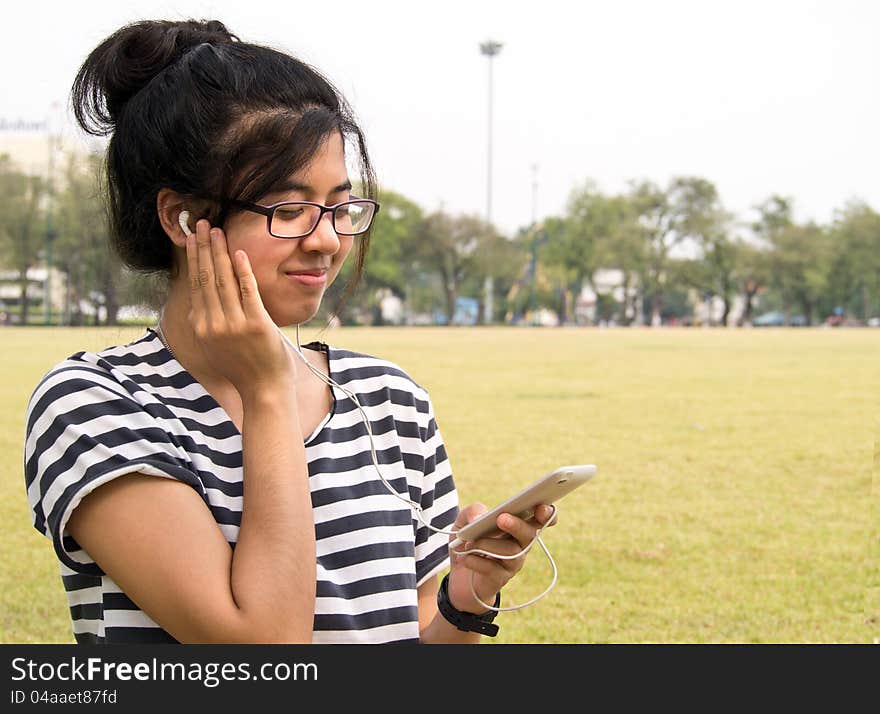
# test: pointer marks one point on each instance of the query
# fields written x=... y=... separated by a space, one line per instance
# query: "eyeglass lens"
x=292 y=220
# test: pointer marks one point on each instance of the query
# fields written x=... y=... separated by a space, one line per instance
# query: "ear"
x=169 y=204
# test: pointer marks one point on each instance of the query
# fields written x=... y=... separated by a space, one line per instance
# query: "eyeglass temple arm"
x=255 y=207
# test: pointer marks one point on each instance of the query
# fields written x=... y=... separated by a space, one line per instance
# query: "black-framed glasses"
x=297 y=219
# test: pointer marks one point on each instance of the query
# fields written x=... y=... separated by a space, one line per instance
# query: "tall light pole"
x=534 y=194
x=53 y=140
x=490 y=48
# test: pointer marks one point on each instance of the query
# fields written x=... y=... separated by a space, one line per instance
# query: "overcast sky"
x=759 y=97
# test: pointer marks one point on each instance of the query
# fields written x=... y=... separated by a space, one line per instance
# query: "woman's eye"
x=288 y=213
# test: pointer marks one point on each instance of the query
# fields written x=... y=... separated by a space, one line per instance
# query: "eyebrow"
x=297 y=186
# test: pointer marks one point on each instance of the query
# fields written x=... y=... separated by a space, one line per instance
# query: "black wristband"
x=466 y=621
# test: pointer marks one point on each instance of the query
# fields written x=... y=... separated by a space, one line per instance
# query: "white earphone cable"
x=417 y=509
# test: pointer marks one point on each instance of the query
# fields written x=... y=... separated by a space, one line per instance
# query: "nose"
x=323 y=239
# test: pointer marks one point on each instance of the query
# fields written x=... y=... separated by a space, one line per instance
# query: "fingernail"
x=215 y=233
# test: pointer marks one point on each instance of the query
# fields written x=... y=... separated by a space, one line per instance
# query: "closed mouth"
x=317 y=273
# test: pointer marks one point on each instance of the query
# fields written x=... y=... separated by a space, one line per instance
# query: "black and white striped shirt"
x=133 y=408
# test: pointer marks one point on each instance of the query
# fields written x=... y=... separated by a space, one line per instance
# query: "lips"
x=315 y=278
x=314 y=272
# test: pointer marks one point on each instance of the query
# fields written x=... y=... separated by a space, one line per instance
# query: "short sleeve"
x=84 y=429
x=439 y=502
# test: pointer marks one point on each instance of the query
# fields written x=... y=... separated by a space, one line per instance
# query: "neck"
x=175 y=325
x=178 y=332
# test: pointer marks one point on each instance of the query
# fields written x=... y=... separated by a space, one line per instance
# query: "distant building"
x=36 y=146
x=29 y=151
x=10 y=291
x=391 y=307
x=608 y=281
x=710 y=311
x=467 y=312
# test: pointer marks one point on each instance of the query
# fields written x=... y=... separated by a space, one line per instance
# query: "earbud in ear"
x=183 y=220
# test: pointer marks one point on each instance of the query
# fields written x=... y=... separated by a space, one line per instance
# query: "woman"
x=251 y=508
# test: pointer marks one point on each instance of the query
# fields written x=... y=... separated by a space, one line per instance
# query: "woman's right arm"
x=157 y=539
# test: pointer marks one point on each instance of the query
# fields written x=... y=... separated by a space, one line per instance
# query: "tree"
x=799 y=256
x=497 y=257
x=800 y=267
x=655 y=209
x=22 y=224
x=571 y=242
x=391 y=243
x=753 y=275
x=94 y=271
x=520 y=295
x=389 y=263
x=774 y=217
x=596 y=231
x=854 y=280
x=448 y=246
x=702 y=219
x=625 y=249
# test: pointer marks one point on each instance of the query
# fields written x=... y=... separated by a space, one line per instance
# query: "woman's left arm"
x=489 y=574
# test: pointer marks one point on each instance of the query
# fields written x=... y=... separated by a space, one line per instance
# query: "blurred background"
x=627 y=163
x=589 y=165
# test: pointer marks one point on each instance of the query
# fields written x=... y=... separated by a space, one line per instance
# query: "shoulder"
x=362 y=369
x=382 y=384
x=91 y=419
x=87 y=378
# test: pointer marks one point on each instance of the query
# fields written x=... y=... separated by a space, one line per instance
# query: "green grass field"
x=734 y=500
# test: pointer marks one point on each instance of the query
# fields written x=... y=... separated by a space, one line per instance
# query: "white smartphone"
x=547 y=489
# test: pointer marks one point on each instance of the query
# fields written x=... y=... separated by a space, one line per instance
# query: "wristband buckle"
x=466 y=621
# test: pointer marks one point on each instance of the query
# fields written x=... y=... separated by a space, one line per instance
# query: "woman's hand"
x=236 y=333
x=490 y=574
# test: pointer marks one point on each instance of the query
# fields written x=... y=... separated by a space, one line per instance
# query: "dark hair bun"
x=128 y=60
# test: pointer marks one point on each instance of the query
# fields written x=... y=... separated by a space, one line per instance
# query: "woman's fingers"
x=207 y=275
x=489 y=574
x=468 y=514
x=546 y=515
x=481 y=564
x=230 y=323
x=221 y=286
x=523 y=532
x=251 y=302
x=520 y=534
x=224 y=276
x=192 y=270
